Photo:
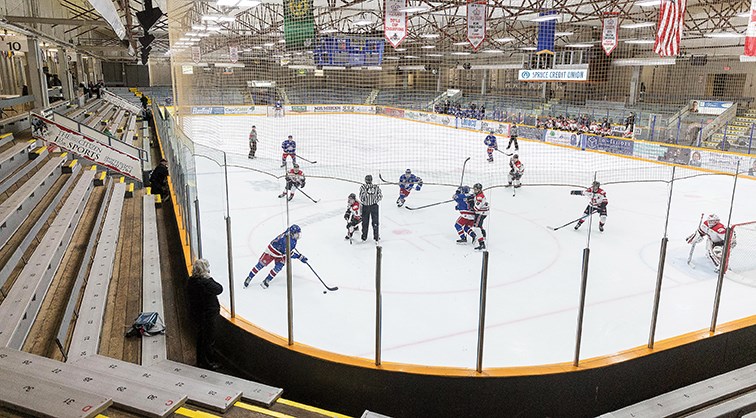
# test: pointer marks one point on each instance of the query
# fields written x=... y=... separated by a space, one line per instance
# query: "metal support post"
x=199 y=227
x=679 y=125
x=750 y=139
x=653 y=126
x=230 y=256
x=581 y=309
x=289 y=290
x=725 y=256
x=482 y=311
x=724 y=137
x=660 y=268
x=378 y=304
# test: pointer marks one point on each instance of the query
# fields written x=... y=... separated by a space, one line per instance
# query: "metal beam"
x=55 y=21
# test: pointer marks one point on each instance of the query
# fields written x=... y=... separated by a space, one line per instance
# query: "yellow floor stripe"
x=194 y=414
x=101 y=416
x=257 y=409
x=311 y=408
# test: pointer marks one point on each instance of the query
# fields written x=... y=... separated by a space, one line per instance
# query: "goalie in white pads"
x=712 y=229
x=516 y=169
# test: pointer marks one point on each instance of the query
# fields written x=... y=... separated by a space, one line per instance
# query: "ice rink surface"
x=431 y=284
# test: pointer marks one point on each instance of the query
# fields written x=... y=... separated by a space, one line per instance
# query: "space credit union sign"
x=553 y=75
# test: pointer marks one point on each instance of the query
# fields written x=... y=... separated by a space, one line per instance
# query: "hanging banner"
x=546 y=34
x=395 y=22
x=85 y=147
x=476 y=22
x=196 y=54
x=233 y=53
x=299 y=24
x=750 y=43
x=609 y=33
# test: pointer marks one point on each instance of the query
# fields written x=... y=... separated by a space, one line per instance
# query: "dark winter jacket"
x=203 y=296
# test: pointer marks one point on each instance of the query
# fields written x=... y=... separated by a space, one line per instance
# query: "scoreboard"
x=348 y=51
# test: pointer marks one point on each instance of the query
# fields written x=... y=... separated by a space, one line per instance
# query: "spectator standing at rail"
x=204 y=308
x=252 y=142
x=159 y=179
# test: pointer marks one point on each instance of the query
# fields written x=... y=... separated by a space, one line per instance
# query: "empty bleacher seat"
x=17 y=207
x=214 y=397
x=20 y=307
x=154 y=347
x=143 y=399
x=42 y=398
x=86 y=335
x=14 y=157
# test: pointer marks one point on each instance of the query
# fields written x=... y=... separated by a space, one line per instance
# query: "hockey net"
x=276 y=113
x=741 y=263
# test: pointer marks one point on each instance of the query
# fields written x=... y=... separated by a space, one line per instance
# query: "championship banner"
x=750 y=43
x=546 y=34
x=299 y=23
x=609 y=32
x=395 y=22
x=233 y=53
x=85 y=147
x=196 y=54
x=476 y=22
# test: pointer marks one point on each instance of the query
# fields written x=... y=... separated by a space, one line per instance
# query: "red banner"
x=476 y=22
x=395 y=21
x=750 y=43
x=610 y=27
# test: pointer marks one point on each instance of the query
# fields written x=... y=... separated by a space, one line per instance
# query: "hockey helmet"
x=596 y=185
x=477 y=186
x=295 y=231
x=408 y=171
x=254 y=127
x=465 y=189
x=352 y=197
x=369 y=179
x=712 y=220
x=515 y=157
x=291 y=137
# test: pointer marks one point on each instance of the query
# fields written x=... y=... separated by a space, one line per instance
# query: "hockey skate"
x=517 y=186
x=283 y=164
x=490 y=160
x=399 y=203
x=462 y=240
x=601 y=227
x=282 y=195
x=481 y=246
x=248 y=279
x=509 y=185
x=577 y=225
x=265 y=284
x=291 y=196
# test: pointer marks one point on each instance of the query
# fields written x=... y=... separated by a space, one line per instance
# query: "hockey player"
x=289 y=150
x=597 y=202
x=464 y=224
x=513 y=137
x=480 y=207
x=294 y=179
x=406 y=182
x=353 y=215
x=516 y=168
x=278 y=109
x=276 y=252
x=712 y=229
x=252 y=142
x=490 y=142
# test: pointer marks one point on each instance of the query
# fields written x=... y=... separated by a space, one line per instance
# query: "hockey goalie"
x=714 y=232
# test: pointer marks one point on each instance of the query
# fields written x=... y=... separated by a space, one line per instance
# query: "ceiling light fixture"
x=564 y=33
x=248 y=3
x=578 y=45
x=413 y=9
x=529 y=48
x=463 y=43
x=492 y=51
x=640 y=41
x=503 y=40
x=546 y=18
x=331 y=30
x=744 y=14
x=637 y=25
x=648 y=3
x=428 y=46
x=723 y=35
x=227 y=3
x=430 y=35
x=460 y=53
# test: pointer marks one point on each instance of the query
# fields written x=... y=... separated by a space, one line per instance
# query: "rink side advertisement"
x=85 y=147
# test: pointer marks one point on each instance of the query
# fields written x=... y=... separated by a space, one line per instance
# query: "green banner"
x=299 y=23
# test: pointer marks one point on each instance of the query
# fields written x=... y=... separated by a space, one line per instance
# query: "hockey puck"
x=324 y=292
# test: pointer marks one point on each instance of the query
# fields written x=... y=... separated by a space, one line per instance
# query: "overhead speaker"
x=149 y=16
x=146 y=40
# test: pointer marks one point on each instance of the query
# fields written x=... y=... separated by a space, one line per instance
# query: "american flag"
x=670 y=28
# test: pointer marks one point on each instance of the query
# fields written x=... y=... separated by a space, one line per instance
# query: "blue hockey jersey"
x=407 y=181
x=289 y=146
x=277 y=247
x=490 y=141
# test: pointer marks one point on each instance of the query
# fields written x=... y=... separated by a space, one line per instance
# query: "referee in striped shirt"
x=370 y=195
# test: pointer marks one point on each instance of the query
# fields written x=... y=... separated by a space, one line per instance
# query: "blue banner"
x=611 y=145
x=546 y=32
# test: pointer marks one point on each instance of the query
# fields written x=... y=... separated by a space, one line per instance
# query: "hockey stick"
x=386 y=181
x=693 y=246
x=432 y=204
x=308 y=196
x=462 y=179
x=505 y=153
x=568 y=223
x=332 y=289
x=306 y=160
